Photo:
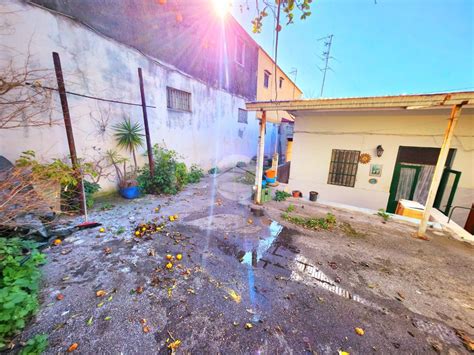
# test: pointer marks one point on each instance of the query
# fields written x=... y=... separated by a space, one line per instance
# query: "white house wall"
x=317 y=135
x=97 y=66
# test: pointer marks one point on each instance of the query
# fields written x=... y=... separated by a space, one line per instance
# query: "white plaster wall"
x=316 y=135
x=95 y=65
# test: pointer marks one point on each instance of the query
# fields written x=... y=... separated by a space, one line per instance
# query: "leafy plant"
x=129 y=137
x=181 y=175
x=290 y=208
x=383 y=214
x=214 y=171
x=281 y=195
x=19 y=285
x=36 y=345
x=311 y=223
x=195 y=174
x=120 y=230
x=125 y=177
x=90 y=188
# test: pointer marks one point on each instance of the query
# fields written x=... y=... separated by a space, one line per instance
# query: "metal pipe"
x=151 y=162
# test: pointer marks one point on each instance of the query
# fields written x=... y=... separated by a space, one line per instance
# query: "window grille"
x=243 y=116
x=266 y=78
x=343 y=167
x=178 y=99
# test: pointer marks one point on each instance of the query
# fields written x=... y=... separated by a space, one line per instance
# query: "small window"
x=281 y=82
x=240 y=51
x=178 y=99
x=266 y=78
x=343 y=167
x=243 y=116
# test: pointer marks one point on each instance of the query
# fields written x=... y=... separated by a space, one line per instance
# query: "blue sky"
x=392 y=47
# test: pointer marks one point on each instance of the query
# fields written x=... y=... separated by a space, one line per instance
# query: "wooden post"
x=438 y=172
x=68 y=126
x=260 y=158
x=149 y=148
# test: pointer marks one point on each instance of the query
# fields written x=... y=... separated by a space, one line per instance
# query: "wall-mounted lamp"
x=379 y=151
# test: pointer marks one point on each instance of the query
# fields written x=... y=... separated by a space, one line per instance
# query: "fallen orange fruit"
x=169 y=266
x=72 y=347
x=100 y=293
x=179 y=256
x=57 y=242
x=169 y=256
x=102 y=230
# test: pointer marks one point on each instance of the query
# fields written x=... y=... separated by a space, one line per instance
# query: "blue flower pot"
x=130 y=192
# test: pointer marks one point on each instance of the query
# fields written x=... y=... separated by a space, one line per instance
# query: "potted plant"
x=130 y=138
x=127 y=182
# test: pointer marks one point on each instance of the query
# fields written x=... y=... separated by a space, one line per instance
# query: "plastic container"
x=130 y=192
x=270 y=174
x=313 y=196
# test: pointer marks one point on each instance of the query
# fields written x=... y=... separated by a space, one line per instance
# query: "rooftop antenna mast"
x=325 y=58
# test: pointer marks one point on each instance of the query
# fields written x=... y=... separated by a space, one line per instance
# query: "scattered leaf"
x=174 y=345
x=107 y=250
x=340 y=352
x=359 y=331
x=248 y=326
x=89 y=321
x=234 y=295
x=235 y=324
x=108 y=318
x=139 y=290
x=250 y=221
x=59 y=296
x=191 y=291
x=100 y=304
x=72 y=347
x=250 y=310
x=101 y=293
x=111 y=297
x=146 y=329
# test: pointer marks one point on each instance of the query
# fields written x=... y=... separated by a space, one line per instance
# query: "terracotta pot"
x=297 y=193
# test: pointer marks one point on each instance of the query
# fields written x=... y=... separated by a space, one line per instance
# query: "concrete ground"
x=251 y=284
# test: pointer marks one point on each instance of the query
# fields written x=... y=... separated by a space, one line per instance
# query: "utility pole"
x=325 y=58
x=69 y=133
x=151 y=162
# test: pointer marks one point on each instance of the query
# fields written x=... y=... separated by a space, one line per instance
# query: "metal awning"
x=418 y=101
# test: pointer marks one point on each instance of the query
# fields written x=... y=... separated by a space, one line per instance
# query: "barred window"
x=243 y=116
x=178 y=99
x=343 y=167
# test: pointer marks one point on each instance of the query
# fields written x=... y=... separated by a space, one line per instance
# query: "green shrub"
x=19 y=284
x=310 y=222
x=214 y=171
x=290 y=208
x=170 y=175
x=36 y=345
x=383 y=214
x=90 y=188
x=195 y=174
x=281 y=195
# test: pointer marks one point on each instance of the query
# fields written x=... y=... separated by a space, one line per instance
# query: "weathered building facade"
x=198 y=73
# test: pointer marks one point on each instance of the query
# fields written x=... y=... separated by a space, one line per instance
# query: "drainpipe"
x=260 y=158
x=438 y=173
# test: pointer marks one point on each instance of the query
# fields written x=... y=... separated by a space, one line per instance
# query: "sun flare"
x=221 y=7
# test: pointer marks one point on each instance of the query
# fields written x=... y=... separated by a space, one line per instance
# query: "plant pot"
x=271 y=180
x=313 y=196
x=270 y=174
x=130 y=192
x=296 y=193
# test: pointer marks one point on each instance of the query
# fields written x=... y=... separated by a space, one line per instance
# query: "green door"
x=405 y=178
x=447 y=189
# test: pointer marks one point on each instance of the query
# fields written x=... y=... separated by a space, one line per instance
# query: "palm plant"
x=129 y=137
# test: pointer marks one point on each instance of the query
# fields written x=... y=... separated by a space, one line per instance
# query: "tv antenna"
x=326 y=56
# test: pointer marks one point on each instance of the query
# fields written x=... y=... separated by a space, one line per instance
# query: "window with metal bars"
x=343 y=167
x=178 y=99
x=243 y=116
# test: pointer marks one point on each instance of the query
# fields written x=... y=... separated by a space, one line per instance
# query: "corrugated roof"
x=418 y=101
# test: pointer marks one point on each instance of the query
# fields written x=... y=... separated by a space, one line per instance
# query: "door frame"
x=392 y=204
x=442 y=187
